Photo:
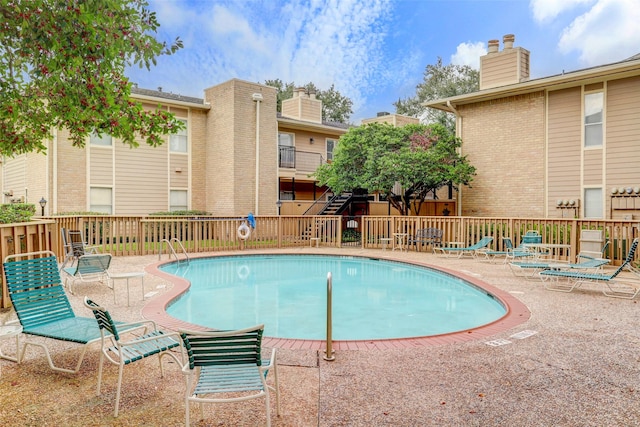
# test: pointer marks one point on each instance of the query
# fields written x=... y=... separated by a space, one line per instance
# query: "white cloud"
x=608 y=32
x=547 y=10
x=469 y=54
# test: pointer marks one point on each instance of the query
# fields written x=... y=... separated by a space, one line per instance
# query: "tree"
x=62 y=66
x=440 y=81
x=413 y=160
x=335 y=106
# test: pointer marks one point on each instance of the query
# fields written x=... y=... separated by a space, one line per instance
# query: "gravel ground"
x=580 y=367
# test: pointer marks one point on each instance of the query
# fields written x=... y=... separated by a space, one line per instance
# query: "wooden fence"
x=143 y=235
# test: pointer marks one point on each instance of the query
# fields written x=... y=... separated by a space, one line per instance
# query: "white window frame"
x=100 y=207
x=593 y=203
x=591 y=104
x=179 y=142
x=174 y=207
x=329 y=153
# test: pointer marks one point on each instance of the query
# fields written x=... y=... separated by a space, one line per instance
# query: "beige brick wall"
x=71 y=175
x=231 y=149
x=505 y=139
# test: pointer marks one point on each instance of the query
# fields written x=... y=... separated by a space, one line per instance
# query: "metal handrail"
x=319 y=204
x=329 y=353
x=173 y=252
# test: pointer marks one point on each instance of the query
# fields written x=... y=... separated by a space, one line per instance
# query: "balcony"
x=301 y=161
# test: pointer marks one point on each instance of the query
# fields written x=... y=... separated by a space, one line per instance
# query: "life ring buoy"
x=244 y=231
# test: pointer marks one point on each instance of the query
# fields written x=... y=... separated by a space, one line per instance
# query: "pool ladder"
x=172 y=251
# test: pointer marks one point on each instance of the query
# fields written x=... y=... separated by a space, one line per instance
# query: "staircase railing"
x=319 y=204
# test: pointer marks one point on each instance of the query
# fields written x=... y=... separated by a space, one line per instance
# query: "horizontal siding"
x=101 y=166
x=181 y=162
x=141 y=180
x=565 y=146
x=14 y=175
x=593 y=167
x=623 y=132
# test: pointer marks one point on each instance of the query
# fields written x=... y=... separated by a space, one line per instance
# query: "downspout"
x=257 y=97
x=459 y=135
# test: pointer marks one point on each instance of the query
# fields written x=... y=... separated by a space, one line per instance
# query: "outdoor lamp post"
x=279 y=205
x=43 y=203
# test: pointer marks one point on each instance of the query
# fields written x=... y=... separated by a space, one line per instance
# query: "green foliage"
x=376 y=157
x=62 y=65
x=349 y=236
x=335 y=106
x=440 y=81
x=16 y=212
x=181 y=213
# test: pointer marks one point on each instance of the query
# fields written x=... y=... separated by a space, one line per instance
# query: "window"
x=286 y=150
x=593 y=113
x=100 y=200
x=331 y=144
x=104 y=140
x=178 y=143
x=178 y=200
x=285 y=139
x=593 y=203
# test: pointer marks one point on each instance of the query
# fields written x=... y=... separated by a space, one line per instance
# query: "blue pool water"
x=372 y=299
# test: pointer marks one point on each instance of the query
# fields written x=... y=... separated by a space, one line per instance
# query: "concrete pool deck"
x=574 y=362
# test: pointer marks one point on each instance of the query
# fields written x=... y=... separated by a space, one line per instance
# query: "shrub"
x=181 y=213
x=16 y=212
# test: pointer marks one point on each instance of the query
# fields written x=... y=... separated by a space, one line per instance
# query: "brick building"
x=561 y=146
x=237 y=155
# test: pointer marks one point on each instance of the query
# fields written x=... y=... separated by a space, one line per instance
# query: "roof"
x=326 y=125
x=167 y=95
x=626 y=68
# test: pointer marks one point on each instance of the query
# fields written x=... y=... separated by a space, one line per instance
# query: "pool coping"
x=517 y=313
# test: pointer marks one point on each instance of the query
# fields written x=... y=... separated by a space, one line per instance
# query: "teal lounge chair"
x=611 y=286
x=469 y=250
x=587 y=264
x=509 y=252
x=226 y=366
x=43 y=308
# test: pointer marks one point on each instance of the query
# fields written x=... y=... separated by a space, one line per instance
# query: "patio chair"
x=121 y=353
x=74 y=246
x=426 y=236
x=586 y=263
x=43 y=308
x=611 y=286
x=90 y=268
x=469 y=250
x=509 y=252
x=226 y=366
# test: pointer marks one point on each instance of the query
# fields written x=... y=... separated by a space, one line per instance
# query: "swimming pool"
x=372 y=299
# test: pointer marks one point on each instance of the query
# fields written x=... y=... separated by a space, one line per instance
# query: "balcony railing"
x=302 y=161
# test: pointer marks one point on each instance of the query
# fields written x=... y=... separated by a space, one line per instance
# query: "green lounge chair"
x=588 y=263
x=226 y=366
x=469 y=250
x=612 y=288
x=119 y=352
x=43 y=308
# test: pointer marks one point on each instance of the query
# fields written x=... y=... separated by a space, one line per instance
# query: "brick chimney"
x=506 y=67
x=303 y=106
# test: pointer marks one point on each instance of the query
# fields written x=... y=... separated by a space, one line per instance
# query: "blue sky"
x=376 y=51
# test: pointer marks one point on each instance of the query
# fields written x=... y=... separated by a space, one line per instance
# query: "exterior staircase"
x=337 y=204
